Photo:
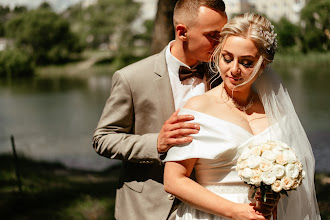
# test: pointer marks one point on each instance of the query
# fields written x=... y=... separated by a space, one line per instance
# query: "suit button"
x=170 y=197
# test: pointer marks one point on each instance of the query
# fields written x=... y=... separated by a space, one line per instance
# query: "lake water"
x=54 y=118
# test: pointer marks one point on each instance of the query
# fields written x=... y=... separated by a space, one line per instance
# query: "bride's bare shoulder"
x=199 y=103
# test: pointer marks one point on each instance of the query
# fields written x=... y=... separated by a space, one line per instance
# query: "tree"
x=105 y=22
x=15 y=63
x=43 y=35
x=287 y=34
x=6 y=14
x=4 y=11
x=163 y=28
x=315 y=22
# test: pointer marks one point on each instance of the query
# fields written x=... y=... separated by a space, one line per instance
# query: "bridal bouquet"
x=270 y=166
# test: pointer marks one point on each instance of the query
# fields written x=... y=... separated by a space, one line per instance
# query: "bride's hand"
x=270 y=204
x=248 y=211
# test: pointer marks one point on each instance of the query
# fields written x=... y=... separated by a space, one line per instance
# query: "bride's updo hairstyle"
x=256 y=28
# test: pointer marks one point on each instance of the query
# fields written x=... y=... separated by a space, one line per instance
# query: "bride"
x=250 y=106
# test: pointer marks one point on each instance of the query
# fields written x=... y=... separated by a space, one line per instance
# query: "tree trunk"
x=163 y=28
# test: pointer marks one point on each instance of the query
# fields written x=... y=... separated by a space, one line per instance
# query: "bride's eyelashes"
x=245 y=62
x=227 y=58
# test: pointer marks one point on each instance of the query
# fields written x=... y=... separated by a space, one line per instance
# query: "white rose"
x=240 y=174
x=287 y=183
x=295 y=184
x=279 y=171
x=246 y=173
x=301 y=176
x=242 y=165
x=256 y=151
x=290 y=156
x=280 y=159
x=266 y=166
x=277 y=152
x=256 y=180
x=284 y=145
x=257 y=172
x=271 y=143
x=277 y=186
x=291 y=171
x=269 y=155
x=254 y=161
x=299 y=165
x=278 y=148
x=268 y=178
x=246 y=153
x=265 y=147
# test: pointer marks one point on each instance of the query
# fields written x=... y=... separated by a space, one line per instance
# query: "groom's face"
x=202 y=37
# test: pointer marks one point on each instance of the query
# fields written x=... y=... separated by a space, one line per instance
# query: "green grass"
x=322 y=186
x=51 y=191
x=312 y=58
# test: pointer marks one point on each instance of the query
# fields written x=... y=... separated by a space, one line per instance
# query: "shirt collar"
x=172 y=62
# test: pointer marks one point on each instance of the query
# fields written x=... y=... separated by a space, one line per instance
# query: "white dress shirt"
x=182 y=90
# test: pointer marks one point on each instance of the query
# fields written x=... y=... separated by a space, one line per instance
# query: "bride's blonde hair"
x=256 y=28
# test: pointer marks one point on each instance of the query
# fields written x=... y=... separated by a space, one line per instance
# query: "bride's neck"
x=242 y=96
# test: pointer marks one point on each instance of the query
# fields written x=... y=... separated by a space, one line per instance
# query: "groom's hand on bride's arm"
x=175 y=131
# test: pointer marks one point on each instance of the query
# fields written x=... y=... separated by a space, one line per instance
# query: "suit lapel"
x=163 y=86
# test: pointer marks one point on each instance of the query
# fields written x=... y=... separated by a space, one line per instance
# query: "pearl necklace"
x=238 y=106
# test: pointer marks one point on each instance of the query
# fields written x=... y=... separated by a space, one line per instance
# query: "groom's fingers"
x=175 y=118
x=184 y=125
x=179 y=140
x=176 y=130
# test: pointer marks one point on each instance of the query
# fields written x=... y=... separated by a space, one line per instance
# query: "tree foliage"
x=106 y=22
x=43 y=35
x=15 y=63
x=288 y=35
x=316 y=22
x=6 y=14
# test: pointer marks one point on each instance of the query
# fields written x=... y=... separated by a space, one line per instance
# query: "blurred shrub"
x=315 y=22
x=15 y=63
x=43 y=35
x=288 y=35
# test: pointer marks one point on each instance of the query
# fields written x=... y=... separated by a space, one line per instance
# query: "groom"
x=139 y=122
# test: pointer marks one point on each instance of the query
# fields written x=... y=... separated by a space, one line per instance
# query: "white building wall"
x=232 y=7
x=275 y=9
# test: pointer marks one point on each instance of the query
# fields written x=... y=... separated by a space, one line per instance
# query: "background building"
x=273 y=9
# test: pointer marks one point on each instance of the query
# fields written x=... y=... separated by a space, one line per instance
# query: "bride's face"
x=237 y=60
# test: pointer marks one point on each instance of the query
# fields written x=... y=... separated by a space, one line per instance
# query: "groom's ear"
x=181 y=31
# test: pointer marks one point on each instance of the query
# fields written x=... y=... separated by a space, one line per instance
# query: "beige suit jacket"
x=141 y=100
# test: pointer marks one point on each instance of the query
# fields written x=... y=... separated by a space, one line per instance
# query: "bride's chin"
x=231 y=85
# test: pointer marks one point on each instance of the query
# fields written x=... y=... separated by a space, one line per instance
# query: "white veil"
x=301 y=203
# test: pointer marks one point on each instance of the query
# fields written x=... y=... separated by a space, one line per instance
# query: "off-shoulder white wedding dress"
x=217 y=146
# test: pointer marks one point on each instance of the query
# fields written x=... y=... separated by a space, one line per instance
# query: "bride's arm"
x=178 y=183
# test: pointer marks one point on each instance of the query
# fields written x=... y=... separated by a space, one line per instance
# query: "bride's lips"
x=234 y=80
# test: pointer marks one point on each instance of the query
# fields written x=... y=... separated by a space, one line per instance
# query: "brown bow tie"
x=198 y=71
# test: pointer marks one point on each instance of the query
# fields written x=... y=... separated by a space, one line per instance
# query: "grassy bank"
x=51 y=191
x=305 y=59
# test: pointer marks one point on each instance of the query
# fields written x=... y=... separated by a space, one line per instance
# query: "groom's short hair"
x=187 y=10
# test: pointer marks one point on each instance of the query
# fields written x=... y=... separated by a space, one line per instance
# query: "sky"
x=58 y=5
x=149 y=6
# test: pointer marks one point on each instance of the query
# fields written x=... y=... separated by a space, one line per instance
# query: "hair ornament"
x=270 y=37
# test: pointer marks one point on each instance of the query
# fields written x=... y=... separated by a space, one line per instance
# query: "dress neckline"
x=230 y=123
